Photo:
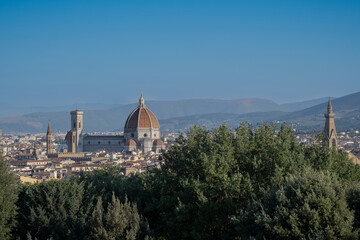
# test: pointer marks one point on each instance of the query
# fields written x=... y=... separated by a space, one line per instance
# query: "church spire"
x=49 y=129
x=141 y=101
x=329 y=107
x=49 y=148
x=329 y=129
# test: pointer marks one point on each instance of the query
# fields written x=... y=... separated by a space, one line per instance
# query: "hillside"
x=297 y=106
x=215 y=119
x=347 y=110
x=182 y=114
x=114 y=118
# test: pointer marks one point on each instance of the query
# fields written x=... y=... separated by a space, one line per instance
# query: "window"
x=88 y=142
x=79 y=124
x=74 y=124
x=132 y=135
x=109 y=142
x=119 y=143
x=154 y=135
x=145 y=134
x=98 y=142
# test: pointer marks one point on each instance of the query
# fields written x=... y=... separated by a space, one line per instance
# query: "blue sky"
x=67 y=52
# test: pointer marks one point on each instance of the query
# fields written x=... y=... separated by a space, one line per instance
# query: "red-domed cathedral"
x=141 y=132
x=142 y=128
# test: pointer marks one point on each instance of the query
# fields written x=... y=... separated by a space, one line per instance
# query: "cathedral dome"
x=158 y=142
x=141 y=117
x=130 y=143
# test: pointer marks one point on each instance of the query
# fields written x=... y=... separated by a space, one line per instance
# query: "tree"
x=108 y=181
x=53 y=209
x=310 y=205
x=120 y=221
x=321 y=158
x=8 y=197
x=198 y=187
x=267 y=154
x=353 y=200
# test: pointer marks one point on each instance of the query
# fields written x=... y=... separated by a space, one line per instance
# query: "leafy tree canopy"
x=8 y=196
x=309 y=205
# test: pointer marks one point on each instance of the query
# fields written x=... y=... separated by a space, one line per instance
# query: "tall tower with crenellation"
x=329 y=129
x=77 y=127
x=49 y=148
x=73 y=137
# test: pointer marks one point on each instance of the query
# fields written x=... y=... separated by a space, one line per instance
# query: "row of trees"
x=247 y=183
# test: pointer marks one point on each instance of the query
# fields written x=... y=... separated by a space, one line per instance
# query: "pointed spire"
x=329 y=108
x=141 y=101
x=329 y=129
x=49 y=129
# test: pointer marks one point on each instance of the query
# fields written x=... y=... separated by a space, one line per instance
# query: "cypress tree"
x=8 y=196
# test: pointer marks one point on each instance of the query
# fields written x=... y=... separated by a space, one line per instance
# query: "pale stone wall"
x=106 y=143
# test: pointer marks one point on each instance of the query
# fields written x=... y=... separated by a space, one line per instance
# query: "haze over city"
x=67 y=52
x=173 y=120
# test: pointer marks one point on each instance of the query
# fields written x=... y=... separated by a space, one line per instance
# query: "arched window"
x=79 y=124
x=74 y=124
x=145 y=135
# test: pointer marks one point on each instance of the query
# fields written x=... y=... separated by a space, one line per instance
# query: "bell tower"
x=76 y=128
x=329 y=129
x=49 y=148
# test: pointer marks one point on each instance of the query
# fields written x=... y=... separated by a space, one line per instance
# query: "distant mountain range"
x=182 y=114
x=347 y=110
x=10 y=110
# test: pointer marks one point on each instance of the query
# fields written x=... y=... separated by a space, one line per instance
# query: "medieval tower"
x=49 y=148
x=73 y=137
x=329 y=129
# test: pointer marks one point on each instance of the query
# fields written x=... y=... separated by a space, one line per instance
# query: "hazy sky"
x=65 y=52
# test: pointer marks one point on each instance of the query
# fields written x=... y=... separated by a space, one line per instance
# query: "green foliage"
x=120 y=221
x=108 y=181
x=53 y=209
x=353 y=200
x=74 y=209
x=198 y=188
x=321 y=158
x=214 y=184
x=310 y=205
x=267 y=155
x=8 y=196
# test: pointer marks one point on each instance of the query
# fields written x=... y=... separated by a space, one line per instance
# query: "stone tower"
x=76 y=128
x=329 y=129
x=49 y=148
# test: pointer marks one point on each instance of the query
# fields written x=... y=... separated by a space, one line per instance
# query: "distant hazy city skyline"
x=68 y=52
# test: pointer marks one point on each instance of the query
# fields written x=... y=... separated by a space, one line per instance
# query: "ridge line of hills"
x=182 y=114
